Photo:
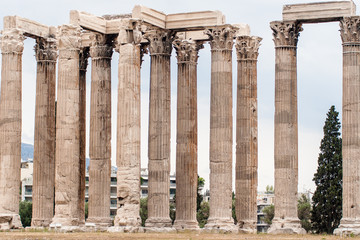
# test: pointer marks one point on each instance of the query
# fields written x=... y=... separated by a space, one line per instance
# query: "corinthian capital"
x=69 y=37
x=12 y=41
x=350 y=29
x=83 y=59
x=286 y=33
x=160 y=41
x=100 y=46
x=187 y=50
x=45 y=50
x=221 y=37
x=247 y=47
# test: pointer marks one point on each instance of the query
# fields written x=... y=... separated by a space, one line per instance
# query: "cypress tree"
x=327 y=200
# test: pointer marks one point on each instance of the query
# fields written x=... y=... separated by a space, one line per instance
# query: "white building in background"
x=27 y=182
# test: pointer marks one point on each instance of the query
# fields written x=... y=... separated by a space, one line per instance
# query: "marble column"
x=100 y=131
x=221 y=127
x=83 y=63
x=12 y=46
x=68 y=188
x=128 y=150
x=286 y=129
x=246 y=177
x=350 y=35
x=44 y=137
x=186 y=137
x=159 y=128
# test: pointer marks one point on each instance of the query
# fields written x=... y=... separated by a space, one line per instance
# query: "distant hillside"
x=27 y=151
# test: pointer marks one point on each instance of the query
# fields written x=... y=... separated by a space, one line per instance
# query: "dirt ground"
x=157 y=236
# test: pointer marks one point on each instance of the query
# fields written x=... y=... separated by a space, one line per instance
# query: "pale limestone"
x=44 y=137
x=246 y=174
x=10 y=127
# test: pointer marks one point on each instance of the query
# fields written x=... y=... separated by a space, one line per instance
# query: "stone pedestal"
x=246 y=177
x=159 y=128
x=69 y=199
x=350 y=222
x=10 y=128
x=186 y=138
x=100 y=131
x=221 y=127
x=44 y=137
x=128 y=151
x=286 y=129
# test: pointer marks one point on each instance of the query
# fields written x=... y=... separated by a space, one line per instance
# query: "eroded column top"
x=187 y=50
x=247 y=47
x=69 y=37
x=286 y=33
x=101 y=46
x=45 y=50
x=221 y=37
x=12 y=41
x=160 y=41
x=350 y=30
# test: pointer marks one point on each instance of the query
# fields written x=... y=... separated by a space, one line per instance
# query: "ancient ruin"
x=60 y=163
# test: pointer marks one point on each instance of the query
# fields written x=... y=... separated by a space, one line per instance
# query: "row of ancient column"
x=69 y=138
x=286 y=35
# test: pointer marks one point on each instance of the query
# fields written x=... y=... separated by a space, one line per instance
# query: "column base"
x=128 y=215
x=40 y=222
x=66 y=222
x=286 y=226
x=247 y=226
x=10 y=221
x=158 y=223
x=220 y=225
x=348 y=227
x=126 y=229
x=186 y=225
x=99 y=221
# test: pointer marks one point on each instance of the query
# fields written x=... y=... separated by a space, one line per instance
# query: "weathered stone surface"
x=69 y=199
x=44 y=137
x=246 y=177
x=10 y=127
x=128 y=158
x=318 y=11
x=186 y=137
x=100 y=131
x=159 y=128
x=221 y=126
x=350 y=34
x=286 y=128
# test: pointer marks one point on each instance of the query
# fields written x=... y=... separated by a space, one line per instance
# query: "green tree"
x=233 y=208
x=86 y=210
x=327 y=200
x=304 y=208
x=202 y=214
x=269 y=189
x=269 y=213
x=143 y=210
x=25 y=212
x=173 y=212
x=199 y=198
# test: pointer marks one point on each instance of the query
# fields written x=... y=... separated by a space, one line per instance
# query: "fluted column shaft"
x=128 y=152
x=286 y=127
x=159 y=128
x=350 y=35
x=10 y=127
x=44 y=137
x=246 y=178
x=221 y=127
x=100 y=131
x=68 y=189
x=186 y=138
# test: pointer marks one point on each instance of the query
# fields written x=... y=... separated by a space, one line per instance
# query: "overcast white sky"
x=319 y=75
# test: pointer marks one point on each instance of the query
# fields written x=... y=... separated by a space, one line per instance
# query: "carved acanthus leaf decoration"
x=286 y=33
x=83 y=58
x=350 y=29
x=46 y=49
x=160 y=41
x=12 y=41
x=100 y=46
x=247 y=47
x=187 y=50
x=221 y=37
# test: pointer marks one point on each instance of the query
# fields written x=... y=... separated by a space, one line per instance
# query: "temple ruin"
x=60 y=152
